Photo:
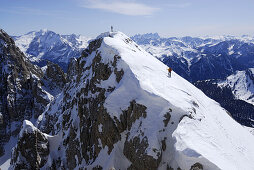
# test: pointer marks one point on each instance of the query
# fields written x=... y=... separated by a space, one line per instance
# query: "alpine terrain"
x=201 y=58
x=235 y=93
x=120 y=110
x=25 y=92
x=43 y=45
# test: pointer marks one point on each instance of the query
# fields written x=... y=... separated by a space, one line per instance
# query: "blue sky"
x=167 y=17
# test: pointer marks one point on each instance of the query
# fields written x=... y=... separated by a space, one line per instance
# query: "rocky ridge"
x=119 y=110
x=24 y=93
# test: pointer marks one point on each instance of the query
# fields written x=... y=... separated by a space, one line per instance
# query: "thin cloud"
x=179 y=5
x=32 y=11
x=125 y=8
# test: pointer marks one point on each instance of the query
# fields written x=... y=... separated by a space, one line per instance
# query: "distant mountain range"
x=212 y=64
x=194 y=58
x=201 y=58
x=43 y=45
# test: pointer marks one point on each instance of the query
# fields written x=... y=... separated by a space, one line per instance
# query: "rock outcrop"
x=32 y=149
x=21 y=93
x=25 y=90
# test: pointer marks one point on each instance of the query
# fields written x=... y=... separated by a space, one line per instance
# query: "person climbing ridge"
x=111 y=28
x=169 y=71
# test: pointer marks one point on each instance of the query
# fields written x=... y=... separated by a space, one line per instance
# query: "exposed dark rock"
x=119 y=74
x=72 y=150
x=169 y=168
x=21 y=93
x=31 y=151
x=197 y=166
x=167 y=117
x=129 y=116
x=189 y=116
x=163 y=144
x=72 y=70
x=93 y=46
x=135 y=151
x=55 y=77
x=91 y=111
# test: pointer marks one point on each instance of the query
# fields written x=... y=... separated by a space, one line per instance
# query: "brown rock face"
x=33 y=148
x=55 y=76
x=135 y=151
x=92 y=113
x=129 y=116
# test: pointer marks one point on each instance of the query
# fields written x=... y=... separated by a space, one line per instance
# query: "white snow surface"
x=241 y=84
x=211 y=137
x=24 y=41
x=27 y=127
x=251 y=130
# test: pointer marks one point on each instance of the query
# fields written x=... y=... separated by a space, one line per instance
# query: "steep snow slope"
x=120 y=109
x=210 y=135
x=240 y=110
x=241 y=84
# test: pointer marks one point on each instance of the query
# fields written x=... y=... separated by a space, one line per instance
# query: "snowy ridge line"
x=121 y=110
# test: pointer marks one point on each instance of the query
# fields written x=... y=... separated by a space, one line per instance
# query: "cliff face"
x=24 y=93
x=32 y=149
x=119 y=110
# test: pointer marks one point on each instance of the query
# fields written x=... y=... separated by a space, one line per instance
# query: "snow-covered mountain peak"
x=120 y=109
x=151 y=73
x=47 y=45
x=45 y=30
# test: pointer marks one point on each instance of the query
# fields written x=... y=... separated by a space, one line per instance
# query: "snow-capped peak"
x=47 y=45
x=121 y=110
x=44 y=30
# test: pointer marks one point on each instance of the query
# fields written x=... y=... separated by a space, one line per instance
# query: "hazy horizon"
x=198 y=36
